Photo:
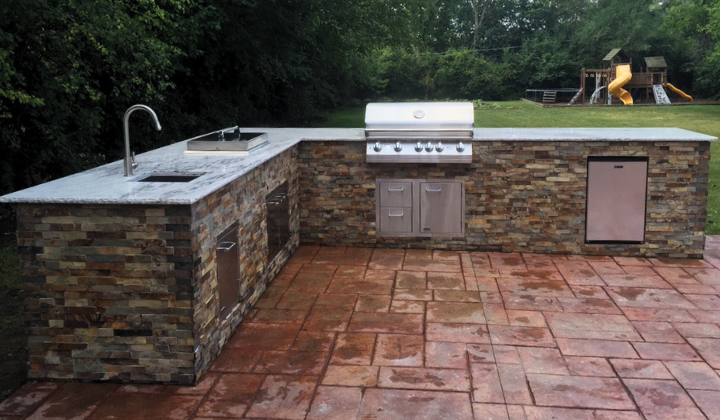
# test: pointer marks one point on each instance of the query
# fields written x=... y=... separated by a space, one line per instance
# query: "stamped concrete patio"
x=395 y=334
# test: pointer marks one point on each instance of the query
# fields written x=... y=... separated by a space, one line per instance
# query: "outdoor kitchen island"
x=122 y=276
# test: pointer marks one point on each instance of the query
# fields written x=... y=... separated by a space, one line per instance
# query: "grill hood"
x=419 y=121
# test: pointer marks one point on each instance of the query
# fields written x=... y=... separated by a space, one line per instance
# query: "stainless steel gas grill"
x=419 y=132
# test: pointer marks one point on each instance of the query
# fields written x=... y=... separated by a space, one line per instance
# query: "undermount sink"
x=229 y=140
x=171 y=177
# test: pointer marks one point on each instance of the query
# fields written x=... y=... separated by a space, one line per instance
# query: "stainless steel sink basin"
x=230 y=140
x=171 y=177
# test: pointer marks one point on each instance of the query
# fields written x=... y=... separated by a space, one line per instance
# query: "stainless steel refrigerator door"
x=616 y=198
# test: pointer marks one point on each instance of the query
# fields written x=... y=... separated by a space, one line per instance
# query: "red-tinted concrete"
x=348 y=333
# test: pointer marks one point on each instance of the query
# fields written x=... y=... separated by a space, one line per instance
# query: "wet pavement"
x=349 y=333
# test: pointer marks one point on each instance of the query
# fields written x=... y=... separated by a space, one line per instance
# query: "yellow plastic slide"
x=679 y=92
x=623 y=74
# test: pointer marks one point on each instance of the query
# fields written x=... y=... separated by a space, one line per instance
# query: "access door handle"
x=401 y=189
x=402 y=213
x=433 y=190
x=226 y=246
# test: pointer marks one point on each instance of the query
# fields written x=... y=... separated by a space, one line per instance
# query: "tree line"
x=70 y=68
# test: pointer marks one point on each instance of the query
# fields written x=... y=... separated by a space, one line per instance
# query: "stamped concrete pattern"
x=347 y=333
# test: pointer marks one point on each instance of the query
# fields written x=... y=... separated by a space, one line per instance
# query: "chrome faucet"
x=130 y=160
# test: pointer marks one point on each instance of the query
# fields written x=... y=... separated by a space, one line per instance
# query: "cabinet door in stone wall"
x=441 y=208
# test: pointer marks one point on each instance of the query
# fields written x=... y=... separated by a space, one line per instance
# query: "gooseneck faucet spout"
x=130 y=160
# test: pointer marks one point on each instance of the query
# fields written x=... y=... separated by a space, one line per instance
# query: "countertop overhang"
x=106 y=184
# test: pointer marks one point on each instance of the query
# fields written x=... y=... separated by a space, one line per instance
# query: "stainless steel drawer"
x=395 y=220
x=395 y=194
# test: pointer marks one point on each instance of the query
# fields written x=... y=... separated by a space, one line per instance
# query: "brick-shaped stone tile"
x=695 y=375
x=596 y=348
x=697 y=330
x=297 y=301
x=635 y=297
x=521 y=336
x=457 y=296
x=589 y=366
x=507 y=355
x=373 y=303
x=398 y=350
x=445 y=355
x=411 y=280
x=390 y=323
x=328 y=318
x=542 y=360
x=354 y=272
x=480 y=353
x=230 y=396
x=236 y=360
x=347 y=375
x=264 y=336
x=336 y=300
x=708 y=401
x=557 y=413
x=455 y=312
x=589 y=292
x=316 y=341
x=660 y=399
x=445 y=281
x=360 y=286
x=291 y=362
x=23 y=401
x=149 y=406
x=73 y=400
x=413 y=294
x=649 y=281
x=335 y=403
x=407 y=307
x=486 y=383
x=541 y=287
x=579 y=273
x=490 y=411
x=593 y=326
x=283 y=397
x=424 y=378
x=589 y=306
x=280 y=316
x=387 y=259
x=659 y=332
x=353 y=349
x=514 y=384
x=527 y=302
x=640 y=369
x=526 y=318
x=664 y=351
x=457 y=333
x=495 y=313
x=579 y=392
x=393 y=404
x=658 y=315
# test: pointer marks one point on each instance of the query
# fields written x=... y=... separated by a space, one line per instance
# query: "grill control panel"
x=424 y=151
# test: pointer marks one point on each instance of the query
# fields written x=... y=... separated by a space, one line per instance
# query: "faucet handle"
x=134 y=164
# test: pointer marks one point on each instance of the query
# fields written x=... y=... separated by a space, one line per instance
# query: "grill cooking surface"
x=419 y=132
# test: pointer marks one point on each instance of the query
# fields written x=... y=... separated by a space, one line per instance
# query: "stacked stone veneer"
x=520 y=196
x=129 y=292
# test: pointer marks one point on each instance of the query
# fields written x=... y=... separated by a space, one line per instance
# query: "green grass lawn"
x=701 y=118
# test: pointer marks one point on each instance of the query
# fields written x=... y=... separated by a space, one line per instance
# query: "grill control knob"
x=429 y=147
x=460 y=147
x=418 y=147
x=398 y=147
x=377 y=147
x=439 y=147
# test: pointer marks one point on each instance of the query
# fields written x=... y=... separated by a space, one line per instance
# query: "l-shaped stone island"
x=122 y=276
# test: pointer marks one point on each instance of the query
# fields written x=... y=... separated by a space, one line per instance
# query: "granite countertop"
x=107 y=185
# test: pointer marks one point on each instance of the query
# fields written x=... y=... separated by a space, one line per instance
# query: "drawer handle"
x=402 y=213
x=432 y=190
x=226 y=246
x=401 y=189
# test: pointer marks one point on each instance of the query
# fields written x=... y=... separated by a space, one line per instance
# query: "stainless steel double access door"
x=420 y=207
x=616 y=199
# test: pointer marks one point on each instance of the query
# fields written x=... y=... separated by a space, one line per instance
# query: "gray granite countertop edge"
x=106 y=185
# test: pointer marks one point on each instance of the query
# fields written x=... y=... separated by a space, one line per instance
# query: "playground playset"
x=616 y=80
